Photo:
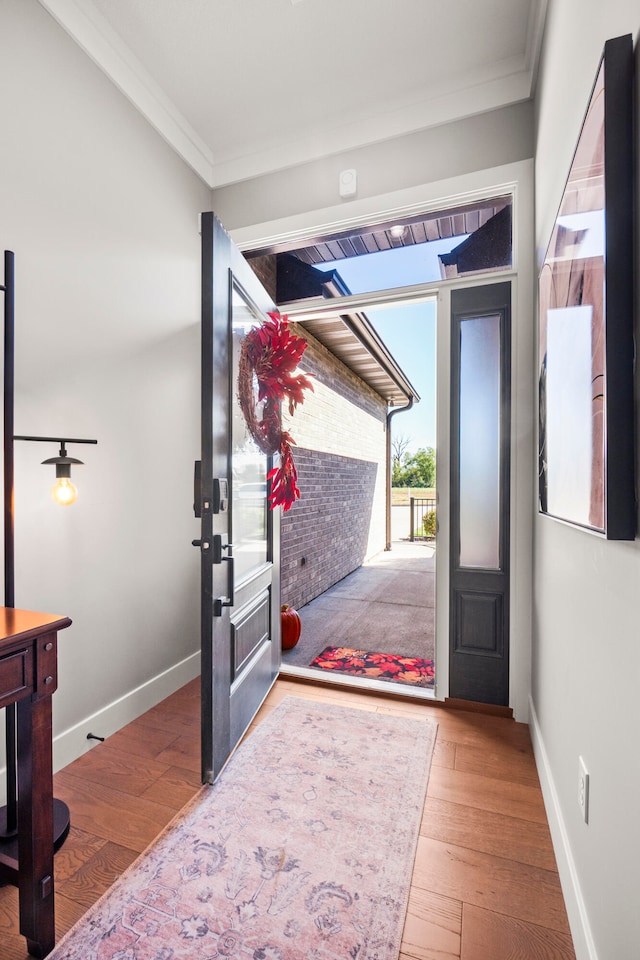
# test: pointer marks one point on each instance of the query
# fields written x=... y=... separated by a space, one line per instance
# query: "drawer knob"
x=48 y=646
x=48 y=680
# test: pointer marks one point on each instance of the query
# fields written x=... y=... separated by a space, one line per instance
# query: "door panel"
x=480 y=478
x=250 y=633
x=240 y=585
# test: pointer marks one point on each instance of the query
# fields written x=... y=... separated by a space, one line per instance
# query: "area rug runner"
x=377 y=666
x=303 y=849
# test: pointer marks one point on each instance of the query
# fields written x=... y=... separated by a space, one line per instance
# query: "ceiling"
x=241 y=88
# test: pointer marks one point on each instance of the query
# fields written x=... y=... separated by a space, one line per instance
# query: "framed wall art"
x=586 y=415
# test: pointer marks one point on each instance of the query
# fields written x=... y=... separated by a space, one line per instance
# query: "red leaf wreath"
x=271 y=354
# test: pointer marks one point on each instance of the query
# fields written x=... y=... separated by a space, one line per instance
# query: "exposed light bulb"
x=64 y=492
x=398 y=231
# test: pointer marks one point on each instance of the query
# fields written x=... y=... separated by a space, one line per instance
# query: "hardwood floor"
x=484 y=885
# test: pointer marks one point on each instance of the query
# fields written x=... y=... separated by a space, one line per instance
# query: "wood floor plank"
x=487 y=793
x=132 y=821
x=324 y=693
x=184 y=752
x=142 y=741
x=15 y=949
x=68 y=912
x=411 y=708
x=175 y=720
x=474 y=730
x=480 y=730
x=8 y=914
x=433 y=927
x=117 y=768
x=97 y=874
x=363 y=703
x=186 y=700
x=464 y=826
x=493 y=883
x=503 y=762
x=176 y=787
x=493 y=936
x=79 y=847
x=444 y=754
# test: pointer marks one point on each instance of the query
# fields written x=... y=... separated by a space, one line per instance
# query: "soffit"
x=354 y=341
x=355 y=242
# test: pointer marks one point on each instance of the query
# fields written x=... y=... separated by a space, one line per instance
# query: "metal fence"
x=423 y=519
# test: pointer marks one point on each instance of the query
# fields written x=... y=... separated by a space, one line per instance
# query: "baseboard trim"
x=72 y=743
x=583 y=942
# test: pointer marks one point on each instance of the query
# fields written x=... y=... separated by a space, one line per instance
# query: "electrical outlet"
x=583 y=789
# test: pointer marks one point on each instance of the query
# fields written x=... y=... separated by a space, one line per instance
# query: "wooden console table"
x=28 y=678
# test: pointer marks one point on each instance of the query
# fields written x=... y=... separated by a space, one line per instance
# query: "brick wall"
x=340 y=456
x=266 y=270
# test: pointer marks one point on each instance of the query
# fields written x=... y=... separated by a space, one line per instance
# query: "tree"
x=399 y=446
x=416 y=470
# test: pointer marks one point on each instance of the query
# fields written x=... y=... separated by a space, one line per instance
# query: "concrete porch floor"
x=386 y=606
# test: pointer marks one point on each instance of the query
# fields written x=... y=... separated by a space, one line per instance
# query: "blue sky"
x=409 y=331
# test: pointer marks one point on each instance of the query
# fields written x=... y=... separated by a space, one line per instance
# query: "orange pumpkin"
x=290 y=626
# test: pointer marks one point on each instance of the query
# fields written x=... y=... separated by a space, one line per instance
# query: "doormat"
x=377 y=666
x=300 y=849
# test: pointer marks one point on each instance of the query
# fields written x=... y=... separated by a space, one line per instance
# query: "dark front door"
x=239 y=541
x=480 y=472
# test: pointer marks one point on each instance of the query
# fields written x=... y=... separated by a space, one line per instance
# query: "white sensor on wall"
x=348 y=183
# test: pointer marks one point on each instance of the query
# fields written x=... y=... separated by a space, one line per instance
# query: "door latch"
x=203 y=544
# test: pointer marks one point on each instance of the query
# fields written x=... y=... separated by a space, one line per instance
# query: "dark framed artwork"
x=586 y=416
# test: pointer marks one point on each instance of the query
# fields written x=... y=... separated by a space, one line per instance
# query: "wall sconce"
x=63 y=492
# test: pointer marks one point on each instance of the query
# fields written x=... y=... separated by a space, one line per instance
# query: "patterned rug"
x=377 y=666
x=284 y=857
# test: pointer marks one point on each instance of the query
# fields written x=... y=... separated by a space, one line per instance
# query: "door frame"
x=518 y=180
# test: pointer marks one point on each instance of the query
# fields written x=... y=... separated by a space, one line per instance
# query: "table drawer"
x=16 y=676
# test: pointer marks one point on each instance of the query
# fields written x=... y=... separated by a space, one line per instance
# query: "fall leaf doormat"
x=283 y=858
x=377 y=666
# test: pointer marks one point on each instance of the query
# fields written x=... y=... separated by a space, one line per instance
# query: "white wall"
x=439 y=153
x=586 y=645
x=103 y=219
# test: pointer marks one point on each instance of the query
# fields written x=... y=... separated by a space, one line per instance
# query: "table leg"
x=35 y=825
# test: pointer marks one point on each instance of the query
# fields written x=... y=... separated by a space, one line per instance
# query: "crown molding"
x=535 y=34
x=480 y=98
x=89 y=29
